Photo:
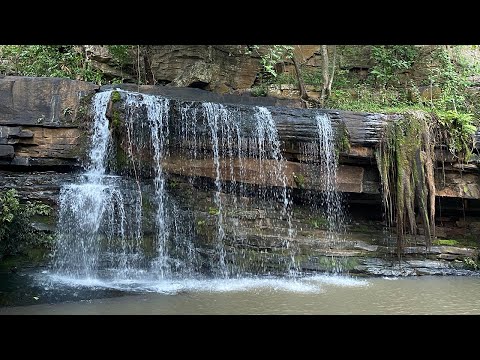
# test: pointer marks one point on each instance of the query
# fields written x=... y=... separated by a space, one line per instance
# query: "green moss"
x=172 y=183
x=318 y=222
x=469 y=241
x=122 y=161
x=116 y=121
x=299 y=180
x=115 y=96
x=147 y=205
x=206 y=230
x=213 y=211
x=343 y=142
x=445 y=242
x=37 y=255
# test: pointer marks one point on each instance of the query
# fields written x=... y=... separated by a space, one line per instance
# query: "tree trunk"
x=330 y=80
x=301 y=84
x=149 y=77
x=326 y=78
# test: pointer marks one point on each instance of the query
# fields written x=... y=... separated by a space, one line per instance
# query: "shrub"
x=16 y=232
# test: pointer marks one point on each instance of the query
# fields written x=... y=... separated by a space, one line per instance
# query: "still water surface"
x=311 y=295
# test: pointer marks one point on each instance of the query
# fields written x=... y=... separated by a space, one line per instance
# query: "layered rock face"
x=44 y=135
x=39 y=122
x=219 y=68
x=44 y=125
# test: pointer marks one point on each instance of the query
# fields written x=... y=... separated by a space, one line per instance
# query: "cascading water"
x=157 y=114
x=268 y=148
x=229 y=140
x=93 y=231
x=331 y=200
x=103 y=217
x=219 y=121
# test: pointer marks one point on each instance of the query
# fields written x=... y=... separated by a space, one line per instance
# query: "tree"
x=282 y=53
x=327 y=73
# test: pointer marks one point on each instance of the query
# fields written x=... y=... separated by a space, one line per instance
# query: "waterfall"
x=130 y=227
x=268 y=148
x=100 y=140
x=93 y=230
x=221 y=124
x=157 y=115
x=82 y=205
x=331 y=200
x=229 y=140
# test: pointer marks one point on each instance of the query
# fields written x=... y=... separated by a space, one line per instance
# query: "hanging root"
x=405 y=159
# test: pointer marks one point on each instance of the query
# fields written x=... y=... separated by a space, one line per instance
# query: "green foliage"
x=390 y=60
x=343 y=79
x=121 y=54
x=309 y=76
x=470 y=263
x=452 y=77
x=123 y=58
x=362 y=97
x=172 y=183
x=67 y=111
x=389 y=86
x=275 y=54
x=260 y=90
x=16 y=233
x=47 y=60
x=405 y=158
x=285 y=78
x=313 y=77
x=459 y=129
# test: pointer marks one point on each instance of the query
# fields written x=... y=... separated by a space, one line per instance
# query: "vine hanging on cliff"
x=405 y=159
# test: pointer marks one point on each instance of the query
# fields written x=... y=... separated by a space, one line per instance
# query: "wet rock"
x=7 y=152
x=474 y=227
x=39 y=226
x=457 y=251
x=42 y=186
x=380 y=267
x=448 y=257
x=367 y=247
x=395 y=268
